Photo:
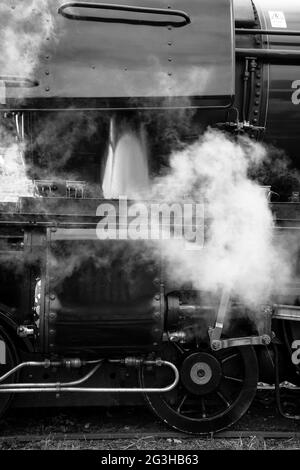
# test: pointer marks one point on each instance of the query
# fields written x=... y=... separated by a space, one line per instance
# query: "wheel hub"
x=201 y=373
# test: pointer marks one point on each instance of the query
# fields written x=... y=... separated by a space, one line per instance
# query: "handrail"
x=271 y=32
x=127 y=8
x=13 y=81
x=277 y=55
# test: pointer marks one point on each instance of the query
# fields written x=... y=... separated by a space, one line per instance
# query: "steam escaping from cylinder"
x=126 y=172
x=13 y=180
x=240 y=252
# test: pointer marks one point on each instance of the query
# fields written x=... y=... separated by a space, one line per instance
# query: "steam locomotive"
x=88 y=321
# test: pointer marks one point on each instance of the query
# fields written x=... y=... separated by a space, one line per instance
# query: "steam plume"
x=240 y=252
x=126 y=171
x=13 y=180
x=25 y=28
x=26 y=25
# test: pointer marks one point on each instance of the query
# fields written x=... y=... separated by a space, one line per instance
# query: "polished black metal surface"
x=112 y=63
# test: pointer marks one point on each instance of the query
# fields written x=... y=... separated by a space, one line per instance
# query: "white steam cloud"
x=26 y=25
x=240 y=253
x=25 y=28
x=13 y=180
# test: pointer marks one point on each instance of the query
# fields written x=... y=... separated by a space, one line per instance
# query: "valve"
x=24 y=331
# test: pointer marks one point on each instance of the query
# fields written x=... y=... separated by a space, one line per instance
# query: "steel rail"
x=106 y=436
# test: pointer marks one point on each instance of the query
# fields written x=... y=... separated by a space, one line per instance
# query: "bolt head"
x=216 y=345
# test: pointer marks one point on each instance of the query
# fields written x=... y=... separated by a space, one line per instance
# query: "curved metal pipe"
x=271 y=32
x=45 y=364
x=54 y=384
x=276 y=55
x=25 y=364
x=60 y=387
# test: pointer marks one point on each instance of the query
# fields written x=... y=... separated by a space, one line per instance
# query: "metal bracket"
x=263 y=340
x=238 y=126
x=215 y=333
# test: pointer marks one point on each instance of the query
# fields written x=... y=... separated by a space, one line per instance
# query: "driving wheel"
x=214 y=391
x=9 y=355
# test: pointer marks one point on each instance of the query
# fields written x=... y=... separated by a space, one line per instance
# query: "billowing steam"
x=240 y=253
x=126 y=172
x=27 y=25
x=13 y=180
x=25 y=28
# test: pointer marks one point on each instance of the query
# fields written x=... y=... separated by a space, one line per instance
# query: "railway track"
x=148 y=435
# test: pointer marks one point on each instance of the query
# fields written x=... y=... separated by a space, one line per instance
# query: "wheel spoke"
x=234 y=379
x=229 y=358
x=193 y=412
x=181 y=403
x=203 y=407
x=223 y=399
x=179 y=348
x=192 y=407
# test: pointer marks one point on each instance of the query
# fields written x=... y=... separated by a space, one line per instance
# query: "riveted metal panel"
x=95 y=64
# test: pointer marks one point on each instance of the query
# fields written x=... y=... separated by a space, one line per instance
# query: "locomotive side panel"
x=283 y=111
x=113 y=56
x=101 y=295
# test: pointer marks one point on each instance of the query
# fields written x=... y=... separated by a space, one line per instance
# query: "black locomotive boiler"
x=98 y=322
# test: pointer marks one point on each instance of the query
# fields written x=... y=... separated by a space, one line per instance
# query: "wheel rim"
x=11 y=361
x=215 y=388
